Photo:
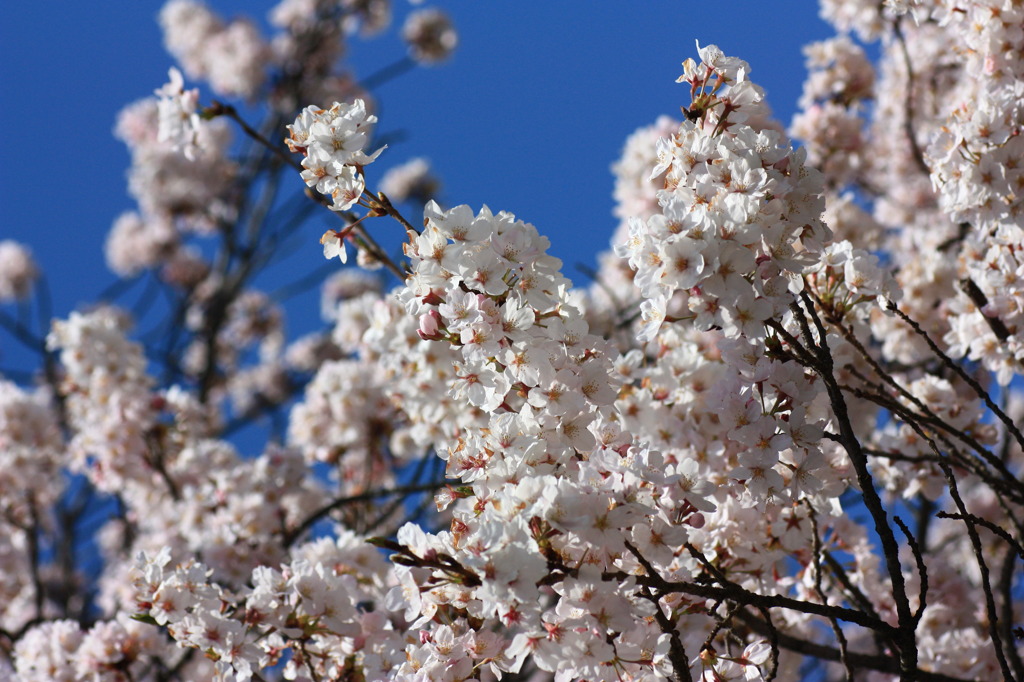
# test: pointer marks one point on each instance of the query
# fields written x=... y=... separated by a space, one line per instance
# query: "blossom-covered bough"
x=779 y=434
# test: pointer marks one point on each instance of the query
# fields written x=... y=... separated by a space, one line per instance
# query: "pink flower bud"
x=429 y=325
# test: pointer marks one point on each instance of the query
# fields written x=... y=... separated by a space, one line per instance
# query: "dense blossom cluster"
x=61 y=650
x=305 y=612
x=332 y=142
x=231 y=57
x=703 y=466
x=737 y=207
x=108 y=397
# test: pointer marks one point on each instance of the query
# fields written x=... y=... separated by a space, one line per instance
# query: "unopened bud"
x=430 y=323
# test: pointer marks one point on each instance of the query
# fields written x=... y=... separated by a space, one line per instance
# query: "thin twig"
x=773 y=641
x=323 y=511
x=881 y=663
x=985 y=523
x=221 y=109
x=908 y=106
x=946 y=360
x=922 y=570
x=677 y=652
x=816 y=564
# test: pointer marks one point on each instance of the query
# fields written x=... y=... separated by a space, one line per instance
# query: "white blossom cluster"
x=176 y=195
x=833 y=103
x=31 y=451
x=231 y=56
x=546 y=423
x=332 y=142
x=737 y=234
x=524 y=357
x=420 y=373
x=306 y=612
x=252 y=322
x=179 y=116
x=344 y=416
x=109 y=398
x=636 y=196
x=61 y=651
x=232 y=513
x=314 y=36
x=975 y=169
x=31 y=456
x=484 y=284
x=738 y=212
x=486 y=472
x=940 y=154
x=935 y=167
x=636 y=184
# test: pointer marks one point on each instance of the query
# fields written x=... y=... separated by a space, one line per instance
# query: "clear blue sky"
x=526 y=117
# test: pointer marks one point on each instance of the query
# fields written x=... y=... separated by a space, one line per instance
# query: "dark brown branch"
x=962 y=230
x=922 y=570
x=980 y=300
x=1006 y=484
x=773 y=641
x=156 y=460
x=676 y=651
x=972 y=533
x=385 y=205
x=720 y=623
x=32 y=535
x=907 y=641
x=933 y=419
x=886 y=664
x=1006 y=614
x=731 y=591
x=854 y=592
x=388 y=72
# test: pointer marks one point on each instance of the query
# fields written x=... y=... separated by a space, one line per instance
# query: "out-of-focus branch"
x=908 y=101
x=221 y=109
x=990 y=603
x=859 y=661
x=323 y=511
x=985 y=523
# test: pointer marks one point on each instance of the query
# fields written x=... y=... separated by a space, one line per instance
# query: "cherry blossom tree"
x=777 y=436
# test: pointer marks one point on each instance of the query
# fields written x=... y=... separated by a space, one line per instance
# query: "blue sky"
x=527 y=116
